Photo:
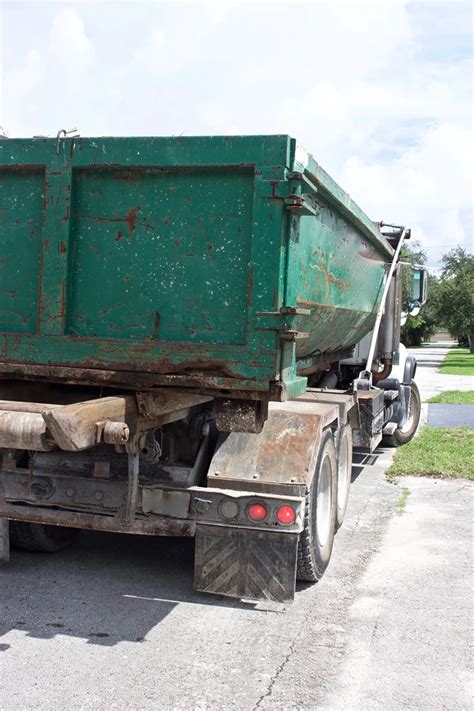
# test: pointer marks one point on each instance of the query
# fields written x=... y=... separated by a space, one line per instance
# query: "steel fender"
x=406 y=368
x=285 y=452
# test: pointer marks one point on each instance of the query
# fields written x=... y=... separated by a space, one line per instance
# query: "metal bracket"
x=66 y=133
x=292 y=335
x=297 y=192
x=281 y=320
x=133 y=447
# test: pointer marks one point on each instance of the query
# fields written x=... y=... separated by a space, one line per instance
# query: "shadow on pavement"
x=360 y=460
x=109 y=588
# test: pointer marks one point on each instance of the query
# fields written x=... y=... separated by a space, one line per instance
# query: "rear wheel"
x=316 y=540
x=39 y=537
x=404 y=434
x=344 y=472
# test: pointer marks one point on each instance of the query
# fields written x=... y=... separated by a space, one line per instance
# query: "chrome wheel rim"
x=323 y=502
x=410 y=419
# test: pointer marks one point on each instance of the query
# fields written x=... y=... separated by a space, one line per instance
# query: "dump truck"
x=195 y=334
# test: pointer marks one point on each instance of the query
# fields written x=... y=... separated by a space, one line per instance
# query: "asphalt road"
x=113 y=623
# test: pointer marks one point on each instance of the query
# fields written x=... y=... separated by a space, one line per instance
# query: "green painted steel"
x=213 y=262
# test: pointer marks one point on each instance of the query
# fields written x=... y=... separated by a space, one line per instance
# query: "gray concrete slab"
x=429 y=381
x=114 y=623
x=443 y=415
x=411 y=620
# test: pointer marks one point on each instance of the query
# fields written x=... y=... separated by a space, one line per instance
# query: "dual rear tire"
x=41 y=538
x=326 y=503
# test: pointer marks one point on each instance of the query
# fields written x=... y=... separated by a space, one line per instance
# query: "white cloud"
x=378 y=91
x=68 y=42
x=426 y=187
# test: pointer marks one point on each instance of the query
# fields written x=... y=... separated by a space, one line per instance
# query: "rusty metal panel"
x=344 y=401
x=214 y=262
x=156 y=526
x=283 y=453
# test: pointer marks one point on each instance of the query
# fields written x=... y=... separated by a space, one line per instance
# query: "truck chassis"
x=154 y=463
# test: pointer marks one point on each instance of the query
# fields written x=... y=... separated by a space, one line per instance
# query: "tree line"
x=450 y=303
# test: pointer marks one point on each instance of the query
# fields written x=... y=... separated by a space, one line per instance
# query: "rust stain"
x=291 y=444
x=131 y=220
x=118 y=236
x=274 y=184
x=331 y=279
x=328 y=277
x=127 y=176
x=62 y=249
x=166 y=220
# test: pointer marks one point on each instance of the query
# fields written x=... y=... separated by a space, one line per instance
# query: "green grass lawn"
x=454 y=397
x=458 y=361
x=437 y=451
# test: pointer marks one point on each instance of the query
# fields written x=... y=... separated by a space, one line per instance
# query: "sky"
x=379 y=92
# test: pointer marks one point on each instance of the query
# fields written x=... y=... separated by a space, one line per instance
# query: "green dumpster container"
x=227 y=264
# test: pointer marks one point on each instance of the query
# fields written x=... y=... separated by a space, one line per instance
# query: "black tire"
x=314 y=554
x=405 y=434
x=344 y=472
x=41 y=538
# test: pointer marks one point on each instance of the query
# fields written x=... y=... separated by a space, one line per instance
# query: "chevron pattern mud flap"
x=244 y=563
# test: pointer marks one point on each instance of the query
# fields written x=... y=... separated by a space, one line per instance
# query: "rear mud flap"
x=244 y=563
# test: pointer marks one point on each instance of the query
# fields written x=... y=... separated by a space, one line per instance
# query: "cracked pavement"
x=114 y=623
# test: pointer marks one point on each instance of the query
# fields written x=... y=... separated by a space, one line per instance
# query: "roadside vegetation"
x=450 y=299
x=454 y=397
x=437 y=451
x=458 y=361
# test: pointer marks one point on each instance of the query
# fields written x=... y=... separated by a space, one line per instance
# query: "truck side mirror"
x=420 y=284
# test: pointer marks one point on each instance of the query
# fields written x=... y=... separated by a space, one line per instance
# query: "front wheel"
x=316 y=540
x=404 y=434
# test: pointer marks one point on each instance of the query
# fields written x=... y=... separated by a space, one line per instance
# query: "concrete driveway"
x=114 y=623
x=429 y=381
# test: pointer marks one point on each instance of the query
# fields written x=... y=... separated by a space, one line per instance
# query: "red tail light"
x=257 y=512
x=286 y=514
